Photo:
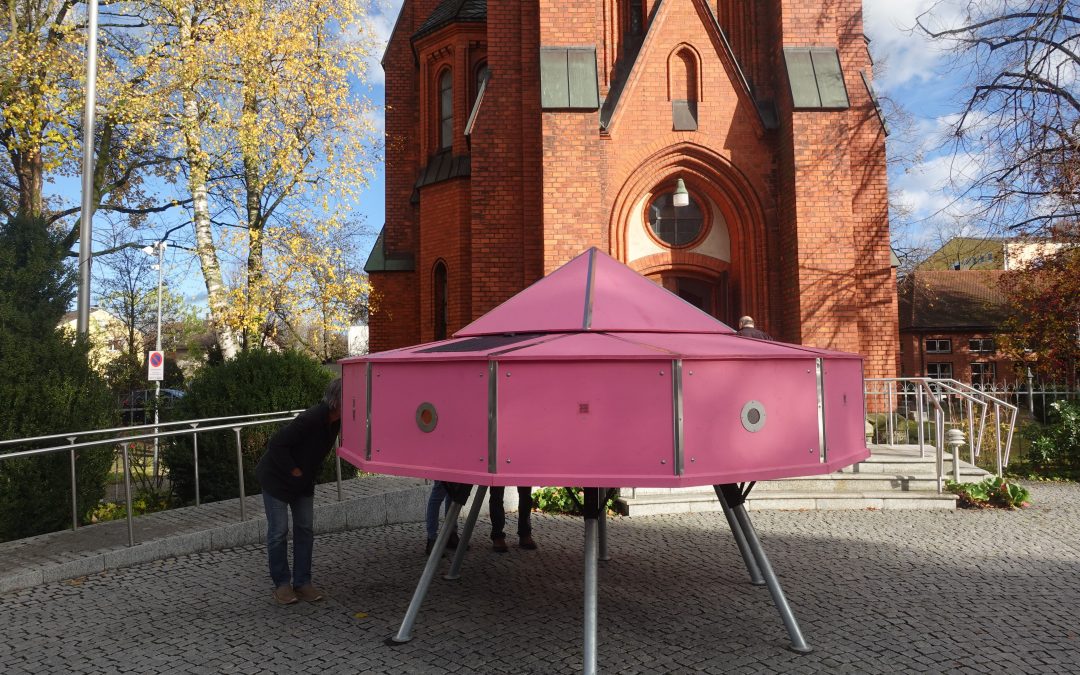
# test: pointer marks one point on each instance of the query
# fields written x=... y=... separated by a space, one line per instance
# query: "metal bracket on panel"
x=821 y=410
x=367 y=419
x=677 y=413
x=493 y=416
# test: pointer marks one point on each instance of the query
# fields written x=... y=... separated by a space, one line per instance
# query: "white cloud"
x=381 y=19
x=904 y=55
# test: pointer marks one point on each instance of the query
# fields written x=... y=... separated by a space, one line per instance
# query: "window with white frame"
x=939 y=346
x=941 y=371
x=982 y=345
x=982 y=373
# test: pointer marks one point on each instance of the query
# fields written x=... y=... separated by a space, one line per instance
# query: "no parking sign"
x=157 y=366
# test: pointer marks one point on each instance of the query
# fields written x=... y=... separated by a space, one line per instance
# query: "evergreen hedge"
x=254 y=382
x=46 y=386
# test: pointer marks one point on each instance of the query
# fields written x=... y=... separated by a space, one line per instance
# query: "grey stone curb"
x=399 y=506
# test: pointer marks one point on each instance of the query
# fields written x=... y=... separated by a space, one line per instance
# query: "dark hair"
x=332 y=395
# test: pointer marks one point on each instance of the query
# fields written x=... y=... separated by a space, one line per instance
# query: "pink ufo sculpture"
x=595 y=376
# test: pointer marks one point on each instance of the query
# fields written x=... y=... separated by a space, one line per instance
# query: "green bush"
x=1059 y=444
x=992 y=491
x=253 y=382
x=47 y=386
x=565 y=500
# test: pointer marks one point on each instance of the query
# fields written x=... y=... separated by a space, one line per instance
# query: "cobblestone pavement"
x=874 y=592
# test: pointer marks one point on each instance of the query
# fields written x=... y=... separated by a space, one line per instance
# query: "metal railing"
x=936 y=404
x=126 y=438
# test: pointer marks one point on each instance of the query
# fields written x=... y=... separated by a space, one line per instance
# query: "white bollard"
x=955 y=440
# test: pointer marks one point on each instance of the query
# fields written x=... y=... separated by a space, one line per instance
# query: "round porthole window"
x=753 y=416
x=675 y=225
x=426 y=417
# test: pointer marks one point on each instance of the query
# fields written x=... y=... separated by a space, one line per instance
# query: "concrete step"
x=650 y=505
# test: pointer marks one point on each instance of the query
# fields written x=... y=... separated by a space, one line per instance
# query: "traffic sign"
x=157 y=366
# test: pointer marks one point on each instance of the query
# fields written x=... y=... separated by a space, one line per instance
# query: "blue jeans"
x=277 y=531
x=439 y=494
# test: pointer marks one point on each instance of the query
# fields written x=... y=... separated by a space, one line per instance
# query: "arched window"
x=440 y=306
x=683 y=89
x=446 y=110
x=676 y=226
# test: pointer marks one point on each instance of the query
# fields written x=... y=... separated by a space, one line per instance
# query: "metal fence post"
x=919 y=405
x=74 y=489
x=127 y=495
x=240 y=472
x=195 y=441
x=997 y=433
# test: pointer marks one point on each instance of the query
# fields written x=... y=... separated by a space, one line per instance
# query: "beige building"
x=108 y=336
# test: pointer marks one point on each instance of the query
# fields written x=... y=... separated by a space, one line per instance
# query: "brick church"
x=730 y=150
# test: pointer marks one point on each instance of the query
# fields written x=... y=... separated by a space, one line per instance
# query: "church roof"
x=450 y=11
x=592 y=293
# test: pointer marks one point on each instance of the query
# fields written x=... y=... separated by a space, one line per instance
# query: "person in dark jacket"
x=747 y=329
x=287 y=473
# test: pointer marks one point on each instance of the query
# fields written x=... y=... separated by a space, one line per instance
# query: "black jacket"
x=755 y=333
x=301 y=444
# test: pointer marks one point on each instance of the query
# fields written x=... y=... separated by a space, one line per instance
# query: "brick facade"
x=794 y=226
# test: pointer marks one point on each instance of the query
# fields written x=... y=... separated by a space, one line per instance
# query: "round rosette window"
x=676 y=226
x=426 y=417
x=753 y=416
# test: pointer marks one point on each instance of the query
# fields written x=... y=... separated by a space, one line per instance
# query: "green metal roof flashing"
x=378 y=261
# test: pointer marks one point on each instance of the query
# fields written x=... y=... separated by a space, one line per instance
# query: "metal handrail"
x=76 y=434
x=932 y=389
x=125 y=441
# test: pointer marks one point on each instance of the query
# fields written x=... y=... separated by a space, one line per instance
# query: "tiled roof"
x=450 y=11
x=952 y=300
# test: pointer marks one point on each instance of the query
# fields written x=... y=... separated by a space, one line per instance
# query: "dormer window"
x=446 y=110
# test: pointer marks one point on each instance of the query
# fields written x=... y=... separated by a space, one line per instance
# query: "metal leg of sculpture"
x=736 y=530
x=601 y=526
x=592 y=503
x=404 y=633
x=798 y=643
x=466 y=534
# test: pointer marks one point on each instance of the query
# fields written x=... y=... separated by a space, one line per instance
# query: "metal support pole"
x=798 y=643
x=997 y=434
x=74 y=489
x=404 y=633
x=971 y=430
x=740 y=539
x=240 y=472
x=921 y=418
x=601 y=528
x=592 y=505
x=337 y=459
x=466 y=534
x=86 y=212
x=127 y=495
x=195 y=440
x=939 y=459
x=157 y=385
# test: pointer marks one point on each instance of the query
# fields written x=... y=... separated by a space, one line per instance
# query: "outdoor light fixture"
x=681 y=196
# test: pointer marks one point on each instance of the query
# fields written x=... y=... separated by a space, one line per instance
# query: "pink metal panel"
x=555 y=303
x=353 y=412
x=845 y=414
x=457 y=446
x=585 y=423
x=698 y=345
x=623 y=300
x=717 y=447
x=585 y=345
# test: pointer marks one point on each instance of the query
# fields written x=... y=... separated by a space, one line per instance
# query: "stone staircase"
x=894 y=477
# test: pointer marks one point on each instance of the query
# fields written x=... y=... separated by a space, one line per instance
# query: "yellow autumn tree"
x=272 y=130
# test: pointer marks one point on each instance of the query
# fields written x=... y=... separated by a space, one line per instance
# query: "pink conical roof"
x=594 y=292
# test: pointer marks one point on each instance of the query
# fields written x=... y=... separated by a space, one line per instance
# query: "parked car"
x=138 y=406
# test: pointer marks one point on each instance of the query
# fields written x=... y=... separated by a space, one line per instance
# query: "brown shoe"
x=308 y=593
x=285 y=595
x=499 y=545
x=527 y=543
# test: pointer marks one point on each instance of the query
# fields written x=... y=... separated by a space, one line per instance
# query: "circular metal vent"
x=753 y=416
x=426 y=417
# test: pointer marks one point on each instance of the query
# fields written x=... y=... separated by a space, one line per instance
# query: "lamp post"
x=86 y=211
x=157 y=248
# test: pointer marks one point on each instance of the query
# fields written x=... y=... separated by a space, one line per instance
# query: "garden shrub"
x=565 y=500
x=992 y=491
x=254 y=382
x=47 y=386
